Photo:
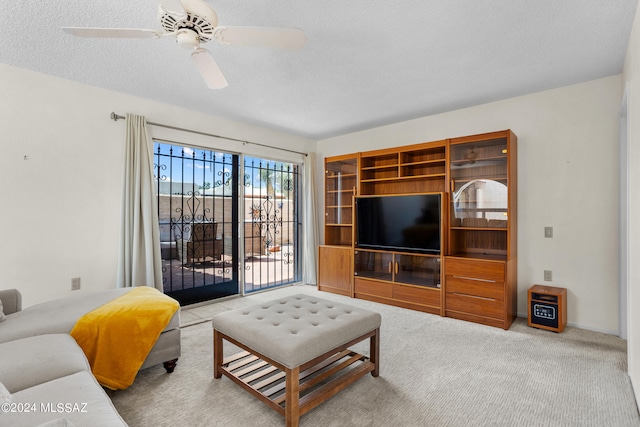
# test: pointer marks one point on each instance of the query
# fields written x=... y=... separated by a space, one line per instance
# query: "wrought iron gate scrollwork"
x=202 y=211
x=272 y=211
x=196 y=210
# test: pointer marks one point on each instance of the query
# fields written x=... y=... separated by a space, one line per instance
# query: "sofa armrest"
x=11 y=301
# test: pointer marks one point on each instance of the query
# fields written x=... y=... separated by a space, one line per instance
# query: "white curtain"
x=139 y=262
x=309 y=223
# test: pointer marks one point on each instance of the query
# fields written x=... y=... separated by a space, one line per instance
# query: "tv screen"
x=408 y=223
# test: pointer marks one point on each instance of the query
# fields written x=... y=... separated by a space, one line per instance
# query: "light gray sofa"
x=41 y=364
x=60 y=315
x=50 y=381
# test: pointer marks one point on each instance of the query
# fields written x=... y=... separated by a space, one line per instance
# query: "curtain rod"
x=115 y=117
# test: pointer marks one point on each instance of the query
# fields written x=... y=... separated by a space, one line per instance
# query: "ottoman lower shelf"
x=301 y=342
x=294 y=391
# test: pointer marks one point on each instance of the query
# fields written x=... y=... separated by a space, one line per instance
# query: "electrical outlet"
x=548 y=232
x=547 y=275
x=75 y=283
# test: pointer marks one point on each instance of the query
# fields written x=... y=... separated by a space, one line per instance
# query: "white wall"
x=60 y=209
x=567 y=177
x=63 y=219
x=631 y=75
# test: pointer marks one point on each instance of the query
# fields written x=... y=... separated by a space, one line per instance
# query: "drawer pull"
x=474 y=278
x=474 y=296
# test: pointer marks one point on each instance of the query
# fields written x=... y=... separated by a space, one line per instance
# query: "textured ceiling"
x=366 y=62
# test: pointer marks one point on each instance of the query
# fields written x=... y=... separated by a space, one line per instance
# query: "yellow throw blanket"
x=117 y=337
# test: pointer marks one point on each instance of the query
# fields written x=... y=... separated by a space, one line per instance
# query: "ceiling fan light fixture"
x=187 y=39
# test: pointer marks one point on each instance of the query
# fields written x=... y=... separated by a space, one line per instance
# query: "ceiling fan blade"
x=281 y=38
x=208 y=68
x=124 y=33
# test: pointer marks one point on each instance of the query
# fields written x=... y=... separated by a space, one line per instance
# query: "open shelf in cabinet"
x=480 y=241
x=379 y=173
x=423 y=170
x=425 y=184
x=379 y=161
x=407 y=170
x=338 y=234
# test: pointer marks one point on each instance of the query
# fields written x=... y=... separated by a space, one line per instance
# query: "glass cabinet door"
x=417 y=270
x=374 y=265
x=479 y=184
x=340 y=180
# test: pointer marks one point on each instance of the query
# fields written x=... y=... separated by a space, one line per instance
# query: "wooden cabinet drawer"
x=474 y=269
x=476 y=287
x=416 y=295
x=480 y=306
x=372 y=287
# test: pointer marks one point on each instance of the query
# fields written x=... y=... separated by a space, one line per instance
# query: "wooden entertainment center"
x=473 y=277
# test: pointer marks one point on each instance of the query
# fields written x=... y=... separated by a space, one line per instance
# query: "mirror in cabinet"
x=480 y=203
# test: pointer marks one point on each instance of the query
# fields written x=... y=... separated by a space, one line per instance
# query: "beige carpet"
x=434 y=372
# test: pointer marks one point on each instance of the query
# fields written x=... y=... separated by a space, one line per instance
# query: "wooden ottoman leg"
x=292 y=398
x=374 y=352
x=217 y=354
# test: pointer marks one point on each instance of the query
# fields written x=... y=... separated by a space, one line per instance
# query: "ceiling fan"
x=194 y=22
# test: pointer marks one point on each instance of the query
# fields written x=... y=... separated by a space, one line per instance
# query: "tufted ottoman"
x=296 y=350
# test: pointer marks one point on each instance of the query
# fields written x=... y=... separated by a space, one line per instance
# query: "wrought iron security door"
x=202 y=215
x=197 y=197
x=271 y=224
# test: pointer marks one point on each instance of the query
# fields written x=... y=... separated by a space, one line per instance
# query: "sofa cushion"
x=77 y=398
x=11 y=300
x=60 y=315
x=30 y=361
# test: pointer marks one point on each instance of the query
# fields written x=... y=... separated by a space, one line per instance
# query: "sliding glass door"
x=197 y=195
x=210 y=226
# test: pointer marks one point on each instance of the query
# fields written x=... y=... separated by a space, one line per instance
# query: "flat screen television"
x=408 y=223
